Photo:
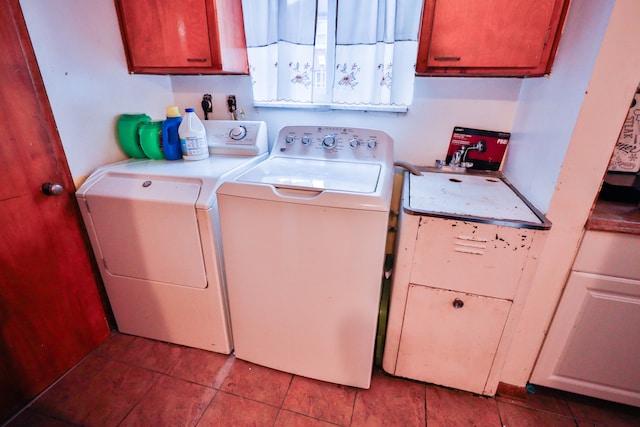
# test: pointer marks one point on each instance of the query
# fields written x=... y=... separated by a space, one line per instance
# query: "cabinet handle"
x=446 y=58
x=196 y=59
x=458 y=303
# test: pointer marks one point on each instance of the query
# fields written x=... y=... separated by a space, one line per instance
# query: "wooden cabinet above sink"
x=490 y=37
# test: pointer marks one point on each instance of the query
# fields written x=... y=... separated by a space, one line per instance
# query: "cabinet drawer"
x=450 y=346
x=609 y=254
x=472 y=257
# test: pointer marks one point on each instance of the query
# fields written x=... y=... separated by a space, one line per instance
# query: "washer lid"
x=288 y=172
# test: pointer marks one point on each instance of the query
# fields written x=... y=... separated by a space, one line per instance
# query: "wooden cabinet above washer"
x=183 y=36
x=510 y=38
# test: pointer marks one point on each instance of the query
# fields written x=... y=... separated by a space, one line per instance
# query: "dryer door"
x=147 y=228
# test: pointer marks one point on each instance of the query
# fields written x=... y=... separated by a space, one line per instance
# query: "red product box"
x=495 y=145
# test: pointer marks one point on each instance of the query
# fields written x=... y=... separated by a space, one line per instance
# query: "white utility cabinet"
x=593 y=345
x=466 y=252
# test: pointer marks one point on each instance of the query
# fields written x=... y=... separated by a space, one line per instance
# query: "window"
x=350 y=54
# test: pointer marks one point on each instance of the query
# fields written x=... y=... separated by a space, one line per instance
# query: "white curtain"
x=372 y=61
x=376 y=50
x=280 y=41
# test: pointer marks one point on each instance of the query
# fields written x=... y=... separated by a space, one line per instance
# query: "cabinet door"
x=489 y=37
x=167 y=34
x=593 y=346
x=450 y=346
x=183 y=36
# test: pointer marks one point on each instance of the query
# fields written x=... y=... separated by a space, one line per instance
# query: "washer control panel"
x=338 y=143
x=236 y=137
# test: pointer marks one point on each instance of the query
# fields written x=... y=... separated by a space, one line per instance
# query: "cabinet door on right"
x=593 y=345
x=489 y=37
x=450 y=338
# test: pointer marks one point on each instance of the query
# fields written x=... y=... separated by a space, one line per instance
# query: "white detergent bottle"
x=193 y=137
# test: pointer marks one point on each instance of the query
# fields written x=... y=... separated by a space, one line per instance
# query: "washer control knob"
x=238 y=133
x=290 y=139
x=354 y=143
x=306 y=140
x=329 y=142
x=372 y=144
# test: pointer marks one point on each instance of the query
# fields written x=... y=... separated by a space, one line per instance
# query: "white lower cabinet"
x=593 y=344
x=450 y=338
x=458 y=288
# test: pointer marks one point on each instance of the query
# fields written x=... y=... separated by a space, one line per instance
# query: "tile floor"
x=132 y=381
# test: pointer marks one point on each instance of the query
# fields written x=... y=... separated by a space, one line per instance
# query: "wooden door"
x=51 y=313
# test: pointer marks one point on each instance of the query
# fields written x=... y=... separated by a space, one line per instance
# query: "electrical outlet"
x=207 y=105
x=231 y=103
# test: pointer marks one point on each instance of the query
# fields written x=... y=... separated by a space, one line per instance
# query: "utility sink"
x=473 y=196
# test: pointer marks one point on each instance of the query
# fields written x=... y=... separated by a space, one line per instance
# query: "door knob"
x=51 y=189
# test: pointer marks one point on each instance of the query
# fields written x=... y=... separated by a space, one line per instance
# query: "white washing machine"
x=304 y=236
x=154 y=229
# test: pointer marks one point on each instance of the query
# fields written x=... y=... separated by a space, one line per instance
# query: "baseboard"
x=511 y=391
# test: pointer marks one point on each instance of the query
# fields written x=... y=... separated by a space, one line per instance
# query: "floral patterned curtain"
x=280 y=45
x=376 y=50
x=369 y=60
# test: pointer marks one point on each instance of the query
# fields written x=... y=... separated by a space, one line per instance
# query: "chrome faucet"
x=459 y=158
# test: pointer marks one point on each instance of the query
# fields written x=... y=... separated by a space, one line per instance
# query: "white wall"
x=79 y=52
x=548 y=107
x=421 y=135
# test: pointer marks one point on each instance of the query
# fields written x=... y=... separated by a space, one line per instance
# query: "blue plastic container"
x=170 y=139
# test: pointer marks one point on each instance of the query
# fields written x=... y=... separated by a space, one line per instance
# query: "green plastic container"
x=128 y=136
x=151 y=139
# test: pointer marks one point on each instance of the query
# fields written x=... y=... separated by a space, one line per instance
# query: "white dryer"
x=304 y=236
x=154 y=229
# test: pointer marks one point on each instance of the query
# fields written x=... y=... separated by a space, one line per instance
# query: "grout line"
x=33 y=400
x=280 y=406
x=147 y=391
x=286 y=393
x=223 y=373
x=425 y=406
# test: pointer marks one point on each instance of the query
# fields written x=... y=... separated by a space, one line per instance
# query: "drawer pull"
x=446 y=58
x=196 y=59
x=458 y=303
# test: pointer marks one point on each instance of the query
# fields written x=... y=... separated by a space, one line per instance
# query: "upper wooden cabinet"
x=489 y=37
x=183 y=36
